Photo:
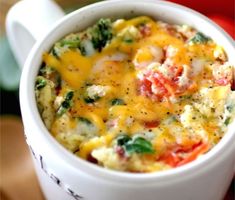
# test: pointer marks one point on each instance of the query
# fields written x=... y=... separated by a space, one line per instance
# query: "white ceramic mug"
x=62 y=175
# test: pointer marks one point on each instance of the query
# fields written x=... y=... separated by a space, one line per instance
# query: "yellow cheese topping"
x=136 y=95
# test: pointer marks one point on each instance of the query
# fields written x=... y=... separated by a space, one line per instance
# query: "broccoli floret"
x=101 y=33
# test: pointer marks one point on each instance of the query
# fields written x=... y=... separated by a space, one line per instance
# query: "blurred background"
x=17 y=178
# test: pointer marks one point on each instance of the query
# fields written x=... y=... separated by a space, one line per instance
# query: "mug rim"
x=29 y=108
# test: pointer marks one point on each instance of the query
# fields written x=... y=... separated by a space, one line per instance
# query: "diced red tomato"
x=145 y=30
x=111 y=123
x=171 y=159
x=171 y=30
x=233 y=85
x=157 y=86
x=153 y=88
x=223 y=81
x=145 y=87
x=199 y=150
x=91 y=159
x=120 y=151
x=175 y=158
x=151 y=124
x=177 y=71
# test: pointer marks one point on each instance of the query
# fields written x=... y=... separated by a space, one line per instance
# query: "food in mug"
x=136 y=95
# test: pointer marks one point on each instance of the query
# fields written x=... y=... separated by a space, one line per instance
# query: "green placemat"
x=9 y=70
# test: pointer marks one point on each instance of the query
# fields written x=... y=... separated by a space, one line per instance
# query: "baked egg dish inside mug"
x=136 y=95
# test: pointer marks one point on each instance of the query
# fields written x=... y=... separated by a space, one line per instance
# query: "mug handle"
x=27 y=22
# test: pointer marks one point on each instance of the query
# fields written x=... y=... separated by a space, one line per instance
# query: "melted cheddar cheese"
x=136 y=95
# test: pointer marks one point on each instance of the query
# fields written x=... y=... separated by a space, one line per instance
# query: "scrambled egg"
x=136 y=95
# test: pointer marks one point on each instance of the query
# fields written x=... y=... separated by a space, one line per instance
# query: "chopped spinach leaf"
x=230 y=107
x=91 y=100
x=101 y=33
x=61 y=110
x=135 y=145
x=139 y=145
x=54 y=53
x=128 y=41
x=85 y=120
x=66 y=104
x=185 y=97
x=69 y=96
x=71 y=43
x=82 y=50
x=40 y=83
x=227 y=121
x=123 y=139
x=199 y=38
x=88 y=84
x=51 y=74
x=115 y=102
